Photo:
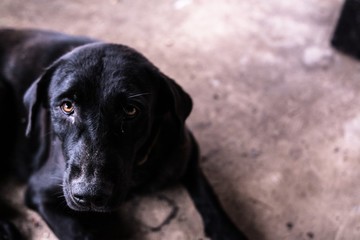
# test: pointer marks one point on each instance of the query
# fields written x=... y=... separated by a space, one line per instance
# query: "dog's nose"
x=87 y=195
x=91 y=200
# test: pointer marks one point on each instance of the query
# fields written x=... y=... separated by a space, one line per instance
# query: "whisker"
x=56 y=177
x=59 y=192
x=60 y=196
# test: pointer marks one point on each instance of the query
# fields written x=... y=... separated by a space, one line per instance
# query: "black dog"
x=103 y=123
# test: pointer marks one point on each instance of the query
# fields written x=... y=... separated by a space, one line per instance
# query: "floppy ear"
x=178 y=101
x=37 y=95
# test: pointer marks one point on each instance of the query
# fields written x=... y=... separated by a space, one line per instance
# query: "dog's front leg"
x=70 y=225
x=217 y=224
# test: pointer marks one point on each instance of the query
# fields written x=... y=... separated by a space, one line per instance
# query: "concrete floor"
x=277 y=111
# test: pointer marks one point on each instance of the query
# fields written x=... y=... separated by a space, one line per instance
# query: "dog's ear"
x=36 y=96
x=177 y=101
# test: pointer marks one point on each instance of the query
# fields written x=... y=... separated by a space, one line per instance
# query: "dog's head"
x=106 y=104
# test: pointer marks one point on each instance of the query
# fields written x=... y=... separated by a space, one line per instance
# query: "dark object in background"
x=346 y=37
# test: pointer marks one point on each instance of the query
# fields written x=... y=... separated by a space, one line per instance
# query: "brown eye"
x=67 y=107
x=130 y=111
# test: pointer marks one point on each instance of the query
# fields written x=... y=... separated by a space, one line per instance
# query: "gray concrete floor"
x=277 y=111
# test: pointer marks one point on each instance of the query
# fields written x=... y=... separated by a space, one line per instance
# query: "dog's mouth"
x=83 y=206
x=88 y=200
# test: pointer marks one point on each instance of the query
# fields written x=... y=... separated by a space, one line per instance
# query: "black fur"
x=103 y=123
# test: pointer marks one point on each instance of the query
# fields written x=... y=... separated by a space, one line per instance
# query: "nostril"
x=90 y=195
x=88 y=200
x=81 y=200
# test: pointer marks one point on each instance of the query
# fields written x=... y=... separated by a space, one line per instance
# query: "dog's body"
x=103 y=124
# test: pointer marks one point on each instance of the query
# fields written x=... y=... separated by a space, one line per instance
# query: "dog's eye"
x=130 y=111
x=67 y=107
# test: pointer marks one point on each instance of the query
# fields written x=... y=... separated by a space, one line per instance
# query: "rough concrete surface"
x=277 y=111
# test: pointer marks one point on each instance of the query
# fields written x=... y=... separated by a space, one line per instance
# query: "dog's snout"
x=91 y=200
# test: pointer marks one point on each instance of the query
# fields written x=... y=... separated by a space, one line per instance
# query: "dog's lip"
x=92 y=208
x=74 y=205
x=77 y=207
